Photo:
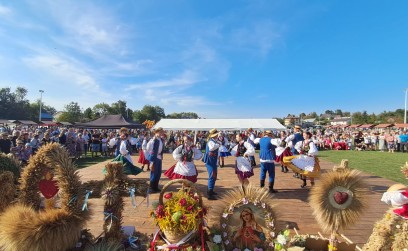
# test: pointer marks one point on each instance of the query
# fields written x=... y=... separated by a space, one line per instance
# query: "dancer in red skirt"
x=282 y=150
x=142 y=159
x=185 y=155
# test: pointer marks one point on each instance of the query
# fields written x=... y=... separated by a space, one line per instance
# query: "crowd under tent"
x=110 y=122
x=219 y=124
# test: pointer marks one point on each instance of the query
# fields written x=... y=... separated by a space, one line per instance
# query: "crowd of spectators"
x=23 y=142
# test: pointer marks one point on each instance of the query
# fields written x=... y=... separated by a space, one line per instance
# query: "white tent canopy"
x=220 y=124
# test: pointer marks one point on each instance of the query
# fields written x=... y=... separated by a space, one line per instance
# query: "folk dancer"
x=143 y=153
x=223 y=150
x=306 y=164
x=185 y=155
x=243 y=169
x=292 y=140
x=267 y=155
x=210 y=160
x=251 y=140
x=154 y=151
x=124 y=150
x=282 y=150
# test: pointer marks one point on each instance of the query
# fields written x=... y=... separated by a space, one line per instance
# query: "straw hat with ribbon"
x=213 y=133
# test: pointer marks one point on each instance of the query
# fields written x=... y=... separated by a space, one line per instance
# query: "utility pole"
x=41 y=92
x=405 y=111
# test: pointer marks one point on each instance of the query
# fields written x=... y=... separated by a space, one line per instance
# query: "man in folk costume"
x=267 y=155
x=251 y=140
x=154 y=151
x=295 y=138
x=210 y=159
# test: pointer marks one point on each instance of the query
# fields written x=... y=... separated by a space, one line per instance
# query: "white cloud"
x=63 y=69
x=185 y=80
x=4 y=11
x=261 y=36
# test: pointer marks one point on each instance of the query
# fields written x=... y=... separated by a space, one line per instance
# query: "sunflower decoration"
x=246 y=220
x=338 y=201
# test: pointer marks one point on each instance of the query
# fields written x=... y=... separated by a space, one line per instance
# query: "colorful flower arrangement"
x=181 y=212
x=282 y=241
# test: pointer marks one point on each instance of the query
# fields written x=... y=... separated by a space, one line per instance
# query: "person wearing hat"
x=5 y=143
x=154 y=151
x=267 y=155
x=210 y=159
x=35 y=143
x=294 y=139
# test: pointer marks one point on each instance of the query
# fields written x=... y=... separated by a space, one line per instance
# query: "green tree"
x=119 y=108
x=101 y=109
x=149 y=112
x=183 y=115
x=14 y=105
x=339 y=112
x=72 y=113
x=88 y=114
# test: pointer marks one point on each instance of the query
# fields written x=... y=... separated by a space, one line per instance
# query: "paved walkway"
x=291 y=200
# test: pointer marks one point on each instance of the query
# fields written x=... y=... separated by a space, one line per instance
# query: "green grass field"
x=384 y=164
x=88 y=161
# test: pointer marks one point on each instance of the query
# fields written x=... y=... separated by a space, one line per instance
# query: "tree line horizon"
x=14 y=105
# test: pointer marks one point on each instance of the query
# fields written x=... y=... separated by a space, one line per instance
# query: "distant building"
x=291 y=120
x=45 y=116
x=341 y=121
x=308 y=122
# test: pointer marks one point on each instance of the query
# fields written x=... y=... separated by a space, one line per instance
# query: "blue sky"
x=220 y=59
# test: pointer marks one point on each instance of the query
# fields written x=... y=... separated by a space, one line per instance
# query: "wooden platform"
x=291 y=200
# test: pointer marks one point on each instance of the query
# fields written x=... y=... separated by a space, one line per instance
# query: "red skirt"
x=173 y=176
x=142 y=160
x=285 y=153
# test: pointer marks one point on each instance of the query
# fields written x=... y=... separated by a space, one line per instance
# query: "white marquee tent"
x=219 y=124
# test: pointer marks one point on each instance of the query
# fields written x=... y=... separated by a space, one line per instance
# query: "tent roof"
x=110 y=121
x=65 y=123
x=220 y=124
x=401 y=125
x=367 y=126
x=384 y=125
x=24 y=122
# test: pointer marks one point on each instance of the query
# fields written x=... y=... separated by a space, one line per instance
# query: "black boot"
x=262 y=183
x=286 y=169
x=210 y=194
x=282 y=169
x=222 y=163
x=156 y=186
x=271 y=190
x=304 y=183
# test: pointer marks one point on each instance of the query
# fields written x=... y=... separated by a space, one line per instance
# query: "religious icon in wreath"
x=248 y=222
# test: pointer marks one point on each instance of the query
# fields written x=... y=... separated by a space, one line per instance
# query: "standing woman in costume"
x=282 y=150
x=124 y=153
x=154 y=150
x=243 y=168
x=306 y=164
x=251 y=140
x=185 y=154
x=210 y=160
x=223 y=150
x=142 y=157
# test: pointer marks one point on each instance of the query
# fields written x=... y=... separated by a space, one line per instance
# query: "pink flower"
x=159 y=211
x=183 y=202
x=168 y=195
x=190 y=208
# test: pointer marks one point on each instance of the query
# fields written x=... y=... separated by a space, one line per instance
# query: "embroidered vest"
x=241 y=150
